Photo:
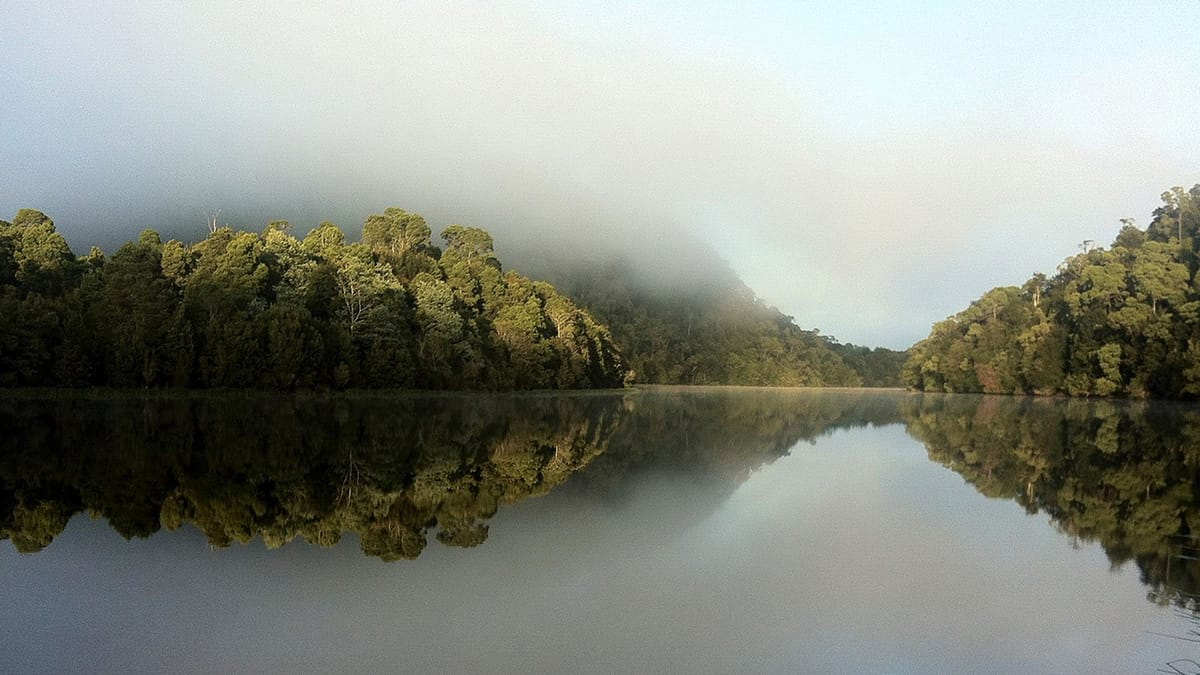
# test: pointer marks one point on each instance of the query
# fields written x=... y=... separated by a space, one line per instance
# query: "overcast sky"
x=867 y=168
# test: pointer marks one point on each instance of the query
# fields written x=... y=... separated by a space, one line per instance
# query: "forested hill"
x=686 y=318
x=1121 y=321
x=265 y=309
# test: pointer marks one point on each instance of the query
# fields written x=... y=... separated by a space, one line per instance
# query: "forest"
x=269 y=310
x=710 y=328
x=1117 y=321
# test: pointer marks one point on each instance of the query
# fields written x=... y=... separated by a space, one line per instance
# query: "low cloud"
x=575 y=126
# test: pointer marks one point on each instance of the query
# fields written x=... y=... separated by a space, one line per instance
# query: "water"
x=659 y=531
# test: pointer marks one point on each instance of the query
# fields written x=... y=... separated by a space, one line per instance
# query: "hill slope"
x=686 y=318
x=1122 y=321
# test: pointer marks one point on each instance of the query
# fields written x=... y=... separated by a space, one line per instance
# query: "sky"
x=868 y=168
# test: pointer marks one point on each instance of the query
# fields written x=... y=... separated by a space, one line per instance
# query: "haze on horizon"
x=869 y=169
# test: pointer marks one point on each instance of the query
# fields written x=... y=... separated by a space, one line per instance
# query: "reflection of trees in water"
x=390 y=469
x=721 y=435
x=394 y=469
x=1124 y=474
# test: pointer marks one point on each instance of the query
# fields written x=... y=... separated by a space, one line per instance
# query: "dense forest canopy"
x=267 y=309
x=1118 y=321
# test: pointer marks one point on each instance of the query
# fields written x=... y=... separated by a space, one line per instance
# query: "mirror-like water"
x=660 y=531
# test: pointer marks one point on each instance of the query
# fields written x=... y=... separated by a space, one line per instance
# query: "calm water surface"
x=659 y=531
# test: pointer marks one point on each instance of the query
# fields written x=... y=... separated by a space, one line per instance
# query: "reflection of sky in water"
x=854 y=554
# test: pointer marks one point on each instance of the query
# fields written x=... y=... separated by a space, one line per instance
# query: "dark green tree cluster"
x=1122 y=473
x=717 y=332
x=269 y=310
x=877 y=366
x=1122 y=321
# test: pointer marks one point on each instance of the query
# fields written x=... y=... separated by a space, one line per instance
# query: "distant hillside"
x=1123 y=321
x=877 y=366
x=686 y=318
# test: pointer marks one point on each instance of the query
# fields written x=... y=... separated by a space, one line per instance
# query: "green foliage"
x=878 y=367
x=402 y=240
x=242 y=309
x=36 y=256
x=713 y=333
x=1111 y=322
x=136 y=289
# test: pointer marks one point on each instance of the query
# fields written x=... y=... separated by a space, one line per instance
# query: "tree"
x=137 y=305
x=324 y=239
x=42 y=257
x=444 y=333
x=396 y=232
x=468 y=243
x=362 y=284
x=1158 y=277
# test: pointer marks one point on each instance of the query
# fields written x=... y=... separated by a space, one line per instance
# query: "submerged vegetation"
x=1121 y=321
x=269 y=310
